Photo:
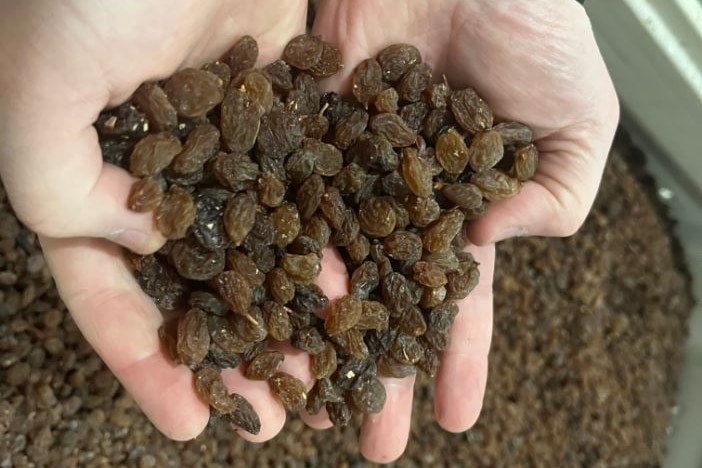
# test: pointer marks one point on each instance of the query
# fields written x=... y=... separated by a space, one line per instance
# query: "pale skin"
x=534 y=61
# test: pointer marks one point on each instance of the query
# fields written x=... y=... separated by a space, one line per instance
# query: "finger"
x=319 y=421
x=555 y=203
x=78 y=197
x=270 y=411
x=297 y=364
x=384 y=435
x=121 y=323
x=462 y=374
x=334 y=280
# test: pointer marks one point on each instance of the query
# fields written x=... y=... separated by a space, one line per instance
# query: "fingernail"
x=136 y=240
x=509 y=232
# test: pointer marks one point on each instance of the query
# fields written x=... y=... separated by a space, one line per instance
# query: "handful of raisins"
x=250 y=173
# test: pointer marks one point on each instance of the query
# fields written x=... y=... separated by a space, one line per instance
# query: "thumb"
x=555 y=203
x=60 y=188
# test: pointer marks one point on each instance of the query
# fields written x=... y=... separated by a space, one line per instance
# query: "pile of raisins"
x=250 y=173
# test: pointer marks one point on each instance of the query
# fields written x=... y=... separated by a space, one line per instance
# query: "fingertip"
x=460 y=388
x=384 y=435
x=319 y=421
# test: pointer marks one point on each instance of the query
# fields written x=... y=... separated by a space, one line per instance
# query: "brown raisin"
x=264 y=365
x=470 y=111
x=304 y=51
x=145 y=195
x=290 y=390
x=194 y=92
x=242 y=55
x=239 y=217
x=193 y=339
x=396 y=59
x=176 y=213
x=152 y=101
x=153 y=153
x=234 y=289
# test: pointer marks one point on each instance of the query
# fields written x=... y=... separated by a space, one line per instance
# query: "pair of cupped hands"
x=63 y=62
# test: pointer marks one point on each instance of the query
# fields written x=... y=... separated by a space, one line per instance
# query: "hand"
x=63 y=62
x=535 y=62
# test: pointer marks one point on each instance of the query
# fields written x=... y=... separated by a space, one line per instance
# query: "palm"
x=530 y=63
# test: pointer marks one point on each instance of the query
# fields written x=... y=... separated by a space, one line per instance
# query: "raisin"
x=414 y=82
x=277 y=321
x=365 y=279
x=368 y=394
x=377 y=217
x=222 y=333
x=367 y=81
x=304 y=51
x=235 y=171
x=208 y=302
x=396 y=59
x=343 y=315
x=153 y=154
x=245 y=266
x=286 y=224
x=194 y=92
x=302 y=269
x=152 y=101
x=349 y=128
x=305 y=95
x=145 y=195
x=422 y=211
x=193 y=337
x=429 y=274
x=220 y=69
x=234 y=289
x=330 y=62
x=201 y=144
x=374 y=316
x=339 y=413
x=470 y=111
x=526 y=159
x=280 y=285
x=386 y=101
x=279 y=74
x=328 y=160
x=280 y=133
x=264 y=365
x=323 y=364
x=308 y=339
x=439 y=235
x=452 y=152
x=486 y=150
x=437 y=95
x=289 y=390
x=244 y=416
x=242 y=55
x=514 y=133
x=393 y=128
x=358 y=249
x=466 y=196
x=403 y=246
x=210 y=387
x=176 y=213
x=240 y=121
x=259 y=88
x=351 y=341
x=495 y=184
x=271 y=191
x=239 y=217
x=195 y=262
x=416 y=173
